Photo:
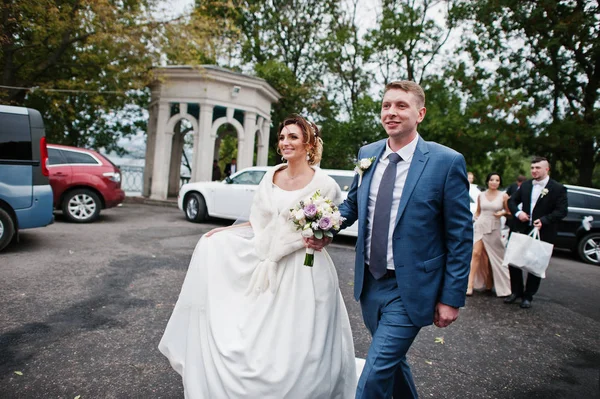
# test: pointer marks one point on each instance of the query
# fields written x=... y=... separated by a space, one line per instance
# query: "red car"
x=83 y=182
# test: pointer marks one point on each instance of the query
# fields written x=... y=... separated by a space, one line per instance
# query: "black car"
x=583 y=201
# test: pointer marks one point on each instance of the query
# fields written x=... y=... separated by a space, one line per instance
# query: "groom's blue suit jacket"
x=433 y=236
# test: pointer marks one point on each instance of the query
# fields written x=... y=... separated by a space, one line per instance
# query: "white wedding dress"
x=293 y=343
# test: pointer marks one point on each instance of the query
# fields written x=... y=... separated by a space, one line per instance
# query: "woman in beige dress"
x=488 y=248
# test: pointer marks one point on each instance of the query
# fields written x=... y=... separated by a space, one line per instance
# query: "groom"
x=414 y=243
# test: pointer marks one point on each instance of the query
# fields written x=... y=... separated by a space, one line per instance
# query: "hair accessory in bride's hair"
x=315 y=128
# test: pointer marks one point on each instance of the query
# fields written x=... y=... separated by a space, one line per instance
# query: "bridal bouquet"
x=315 y=216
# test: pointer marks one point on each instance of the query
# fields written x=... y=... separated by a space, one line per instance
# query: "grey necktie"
x=381 y=219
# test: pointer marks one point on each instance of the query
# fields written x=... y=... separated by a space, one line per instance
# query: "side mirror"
x=228 y=180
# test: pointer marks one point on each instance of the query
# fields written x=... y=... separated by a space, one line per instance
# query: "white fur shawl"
x=274 y=234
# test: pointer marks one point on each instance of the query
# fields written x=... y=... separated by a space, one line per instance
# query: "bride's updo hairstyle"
x=311 y=134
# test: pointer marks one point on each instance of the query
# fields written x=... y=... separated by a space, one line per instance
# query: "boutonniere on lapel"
x=361 y=166
x=544 y=192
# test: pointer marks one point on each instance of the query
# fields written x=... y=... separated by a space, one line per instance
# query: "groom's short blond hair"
x=409 y=87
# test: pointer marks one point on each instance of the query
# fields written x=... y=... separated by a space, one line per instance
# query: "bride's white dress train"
x=295 y=342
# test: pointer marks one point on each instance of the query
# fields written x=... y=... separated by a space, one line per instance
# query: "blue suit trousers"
x=386 y=372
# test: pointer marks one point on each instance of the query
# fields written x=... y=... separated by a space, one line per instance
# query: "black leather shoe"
x=511 y=298
x=526 y=304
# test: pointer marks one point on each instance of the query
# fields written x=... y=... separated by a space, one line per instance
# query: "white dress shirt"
x=406 y=153
x=538 y=186
x=536 y=190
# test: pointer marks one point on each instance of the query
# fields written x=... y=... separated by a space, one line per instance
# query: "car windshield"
x=250 y=177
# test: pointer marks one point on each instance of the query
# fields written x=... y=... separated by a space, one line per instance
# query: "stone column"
x=162 y=153
x=245 y=157
x=196 y=149
x=203 y=146
x=259 y=140
x=150 y=145
x=262 y=158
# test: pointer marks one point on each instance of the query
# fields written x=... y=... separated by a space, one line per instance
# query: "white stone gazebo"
x=208 y=97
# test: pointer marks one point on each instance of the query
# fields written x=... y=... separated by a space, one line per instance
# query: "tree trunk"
x=586 y=163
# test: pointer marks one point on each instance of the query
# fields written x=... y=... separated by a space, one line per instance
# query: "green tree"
x=349 y=116
x=294 y=97
x=465 y=113
x=546 y=56
x=228 y=149
x=93 y=52
x=410 y=42
x=89 y=62
x=280 y=41
x=346 y=55
x=343 y=138
x=408 y=38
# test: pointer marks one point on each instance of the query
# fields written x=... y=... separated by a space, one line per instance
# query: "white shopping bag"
x=528 y=252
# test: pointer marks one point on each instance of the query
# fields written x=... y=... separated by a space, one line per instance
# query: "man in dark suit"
x=544 y=204
x=515 y=186
x=415 y=238
x=231 y=168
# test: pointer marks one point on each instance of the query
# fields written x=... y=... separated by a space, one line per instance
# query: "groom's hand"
x=444 y=315
x=316 y=244
x=523 y=217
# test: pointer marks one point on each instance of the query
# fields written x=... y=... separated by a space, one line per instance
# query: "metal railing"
x=132 y=179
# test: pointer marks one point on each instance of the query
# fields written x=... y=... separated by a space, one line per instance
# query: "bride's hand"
x=213 y=231
x=317 y=244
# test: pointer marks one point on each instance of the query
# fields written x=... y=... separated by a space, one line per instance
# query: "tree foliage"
x=547 y=60
x=408 y=38
x=88 y=62
x=524 y=80
x=281 y=41
x=345 y=55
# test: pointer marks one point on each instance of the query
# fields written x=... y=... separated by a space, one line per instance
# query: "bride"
x=251 y=320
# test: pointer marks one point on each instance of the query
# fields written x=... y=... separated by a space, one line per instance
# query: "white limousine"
x=232 y=197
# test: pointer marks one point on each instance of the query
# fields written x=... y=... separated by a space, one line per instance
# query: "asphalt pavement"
x=83 y=307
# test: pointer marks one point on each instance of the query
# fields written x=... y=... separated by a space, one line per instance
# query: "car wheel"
x=589 y=248
x=7 y=229
x=81 y=206
x=195 y=208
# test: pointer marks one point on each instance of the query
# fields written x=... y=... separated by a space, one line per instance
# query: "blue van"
x=25 y=192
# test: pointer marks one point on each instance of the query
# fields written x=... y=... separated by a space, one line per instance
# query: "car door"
x=233 y=198
x=567 y=227
x=60 y=173
x=85 y=168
